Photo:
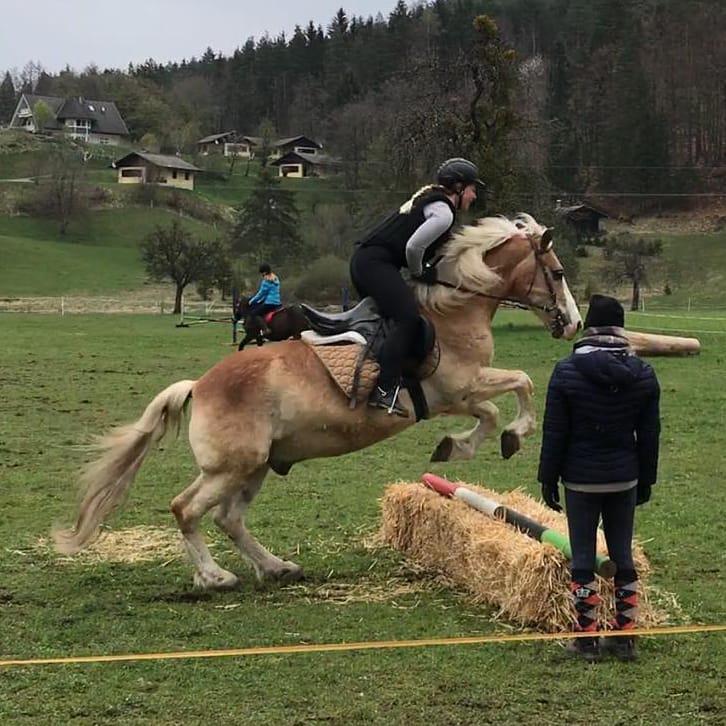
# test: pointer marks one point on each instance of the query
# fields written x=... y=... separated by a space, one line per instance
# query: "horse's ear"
x=546 y=241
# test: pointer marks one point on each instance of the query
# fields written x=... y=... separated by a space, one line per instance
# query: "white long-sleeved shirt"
x=439 y=219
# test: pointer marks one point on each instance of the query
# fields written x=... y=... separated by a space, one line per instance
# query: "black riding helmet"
x=265 y=269
x=458 y=170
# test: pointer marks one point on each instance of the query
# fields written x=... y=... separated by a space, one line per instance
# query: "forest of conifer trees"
x=614 y=97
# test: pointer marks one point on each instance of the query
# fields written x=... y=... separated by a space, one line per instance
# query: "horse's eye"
x=558 y=274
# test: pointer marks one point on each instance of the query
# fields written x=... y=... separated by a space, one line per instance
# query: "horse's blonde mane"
x=463 y=260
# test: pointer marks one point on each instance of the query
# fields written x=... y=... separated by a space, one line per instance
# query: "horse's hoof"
x=220 y=581
x=510 y=444
x=289 y=572
x=444 y=450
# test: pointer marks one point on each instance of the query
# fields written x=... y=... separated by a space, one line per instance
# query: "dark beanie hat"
x=604 y=312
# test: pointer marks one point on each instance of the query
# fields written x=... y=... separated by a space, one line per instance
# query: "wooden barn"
x=583 y=217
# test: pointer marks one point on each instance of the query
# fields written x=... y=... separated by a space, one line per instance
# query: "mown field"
x=64 y=379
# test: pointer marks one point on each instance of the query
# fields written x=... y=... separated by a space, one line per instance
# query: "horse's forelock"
x=529 y=225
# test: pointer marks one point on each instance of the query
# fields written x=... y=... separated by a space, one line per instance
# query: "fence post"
x=63 y=306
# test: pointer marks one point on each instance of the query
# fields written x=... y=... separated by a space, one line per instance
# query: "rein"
x=551 y=309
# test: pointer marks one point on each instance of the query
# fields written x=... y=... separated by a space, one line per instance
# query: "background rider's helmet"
x=458 y=171
x=265 y=269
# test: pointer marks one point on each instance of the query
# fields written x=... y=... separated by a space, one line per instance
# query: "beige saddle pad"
x=340 y=361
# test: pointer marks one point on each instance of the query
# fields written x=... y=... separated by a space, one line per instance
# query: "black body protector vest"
x=395 y=230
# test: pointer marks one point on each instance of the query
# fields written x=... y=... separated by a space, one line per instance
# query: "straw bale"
x=525 y=581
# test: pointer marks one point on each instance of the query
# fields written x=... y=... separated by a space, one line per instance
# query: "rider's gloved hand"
x=428 y=275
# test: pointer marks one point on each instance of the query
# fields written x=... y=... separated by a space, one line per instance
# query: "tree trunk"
x=635 y=303
x=178 y=299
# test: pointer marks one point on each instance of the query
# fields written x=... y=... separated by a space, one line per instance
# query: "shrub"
x=323 y=281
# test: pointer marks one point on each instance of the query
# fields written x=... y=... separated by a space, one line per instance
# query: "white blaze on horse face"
x=573 y=313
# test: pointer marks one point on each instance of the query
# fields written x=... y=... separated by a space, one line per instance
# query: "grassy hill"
x=693 y=265
x=99 y=254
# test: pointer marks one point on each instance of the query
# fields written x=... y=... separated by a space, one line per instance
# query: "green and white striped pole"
x=605 y=567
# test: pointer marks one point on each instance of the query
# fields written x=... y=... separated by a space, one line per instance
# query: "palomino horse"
x=274 y=406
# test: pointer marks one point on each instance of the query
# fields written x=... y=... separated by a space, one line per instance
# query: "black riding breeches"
x=375 y=274
x=584 y=510
x=260 y=310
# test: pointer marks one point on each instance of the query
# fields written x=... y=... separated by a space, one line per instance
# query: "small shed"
x=583 y=217
x=297 y=164
x=140 y=167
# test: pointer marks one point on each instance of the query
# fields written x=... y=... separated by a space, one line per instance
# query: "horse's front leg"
x=488 y=384
x=464 y=446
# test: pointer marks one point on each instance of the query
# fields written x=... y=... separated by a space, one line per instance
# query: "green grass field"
x=64 y=379
x=693 y=265
x=98 y=255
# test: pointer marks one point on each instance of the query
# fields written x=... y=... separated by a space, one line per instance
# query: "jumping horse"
x=277 y=405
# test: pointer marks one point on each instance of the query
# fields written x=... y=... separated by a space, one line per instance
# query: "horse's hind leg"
x=229 y=517
x=188 y=508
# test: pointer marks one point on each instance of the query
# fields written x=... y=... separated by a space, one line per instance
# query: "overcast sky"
x=112 y=34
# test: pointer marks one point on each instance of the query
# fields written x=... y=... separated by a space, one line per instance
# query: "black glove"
x=428 y=275
x=551 y=496
x=643 y=494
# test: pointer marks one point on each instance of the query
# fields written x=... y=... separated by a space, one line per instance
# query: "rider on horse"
x=266 y=299
x=408 y=237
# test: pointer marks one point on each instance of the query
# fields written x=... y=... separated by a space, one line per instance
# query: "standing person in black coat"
x=600 y=437
x=409 y=237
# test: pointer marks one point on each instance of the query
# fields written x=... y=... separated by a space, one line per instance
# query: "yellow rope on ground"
x=345 y=647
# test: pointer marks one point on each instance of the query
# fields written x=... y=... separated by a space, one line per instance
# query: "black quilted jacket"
x=601 y=421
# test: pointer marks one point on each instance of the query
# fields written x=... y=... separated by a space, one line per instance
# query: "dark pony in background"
x=286 y=322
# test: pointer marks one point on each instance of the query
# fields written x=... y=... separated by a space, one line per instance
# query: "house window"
x=186 y=175
x=131 y=172
x=305 y=150
x=78 y=127
x=173 y=174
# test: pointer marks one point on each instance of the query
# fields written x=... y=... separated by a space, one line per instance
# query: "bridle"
x=559 y=321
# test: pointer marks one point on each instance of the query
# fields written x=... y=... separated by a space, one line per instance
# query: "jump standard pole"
x=605 y=567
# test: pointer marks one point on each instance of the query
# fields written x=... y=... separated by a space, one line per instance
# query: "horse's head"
x=507 y=261
x=242 y=306
x=538 y=280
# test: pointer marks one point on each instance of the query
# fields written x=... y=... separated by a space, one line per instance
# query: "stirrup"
x=379 y=400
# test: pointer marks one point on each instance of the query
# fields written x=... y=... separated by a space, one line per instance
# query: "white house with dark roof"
x=248 y=147
x=96 y=122
x=140 y=167
x=297 y=144
x=298 y=164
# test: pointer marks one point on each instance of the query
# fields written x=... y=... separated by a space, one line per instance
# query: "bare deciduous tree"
x=629 y=257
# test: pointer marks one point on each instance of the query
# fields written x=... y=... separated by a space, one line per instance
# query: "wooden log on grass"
x=652 y=344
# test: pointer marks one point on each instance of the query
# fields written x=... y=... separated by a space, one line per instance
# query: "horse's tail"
x=106 y=480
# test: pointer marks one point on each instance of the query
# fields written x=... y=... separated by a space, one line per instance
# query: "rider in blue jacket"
x=267 y=297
